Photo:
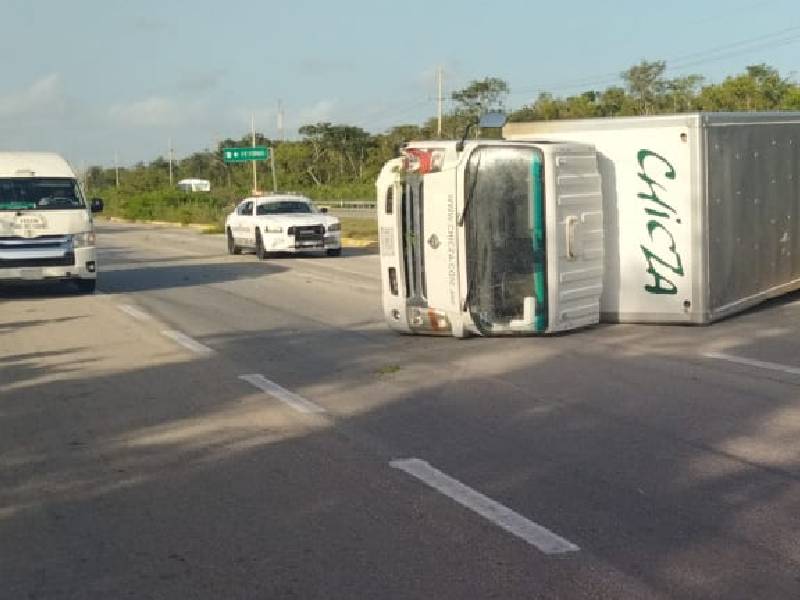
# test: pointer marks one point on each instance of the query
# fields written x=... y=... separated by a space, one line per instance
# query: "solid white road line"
x=135 y=312
x=187 y=342
x=753 y=363
x=533 y=533
x=273 y=389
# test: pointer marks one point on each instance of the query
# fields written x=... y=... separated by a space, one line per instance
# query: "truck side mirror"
x=492 y=119
x=97 y=205
x=324 y=209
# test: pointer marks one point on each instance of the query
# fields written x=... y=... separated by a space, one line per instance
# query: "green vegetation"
x=204 y=209
x=359 y=229
x=341 y=162
x=647 y=91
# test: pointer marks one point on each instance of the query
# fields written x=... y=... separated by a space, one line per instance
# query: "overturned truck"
x=667 y=219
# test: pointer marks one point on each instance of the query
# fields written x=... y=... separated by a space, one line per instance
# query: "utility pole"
x=253 y=131
x=85 y=172
x=280 y=121
x=272 y=164
x=116 y=167
x=439 y=100
x=170 y=161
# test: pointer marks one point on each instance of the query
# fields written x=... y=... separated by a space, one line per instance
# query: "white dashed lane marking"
x=297 y=402
x=502 y=516
x=187 y=342
x=760 y=364
x=135 y=312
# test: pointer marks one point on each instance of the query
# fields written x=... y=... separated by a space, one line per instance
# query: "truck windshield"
x=283 y=207
x=504 y=223
x=34 y=193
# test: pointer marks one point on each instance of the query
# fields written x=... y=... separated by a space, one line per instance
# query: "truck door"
x=575 y=247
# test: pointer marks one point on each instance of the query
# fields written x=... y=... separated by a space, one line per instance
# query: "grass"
x=359 y=229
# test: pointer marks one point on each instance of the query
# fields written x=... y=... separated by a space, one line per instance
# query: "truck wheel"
x=260 y=252
x=232 y=247
x=86 y=286
x=334 y=252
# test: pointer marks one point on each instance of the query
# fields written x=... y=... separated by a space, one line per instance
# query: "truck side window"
x=389 y=200
x=246 y=209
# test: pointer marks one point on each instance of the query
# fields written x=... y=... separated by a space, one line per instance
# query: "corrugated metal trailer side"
x=753 y=208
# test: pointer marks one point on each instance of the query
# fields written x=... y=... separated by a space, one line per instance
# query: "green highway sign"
x=234 y=155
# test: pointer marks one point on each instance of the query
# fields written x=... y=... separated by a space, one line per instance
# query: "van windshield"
x=36 y=193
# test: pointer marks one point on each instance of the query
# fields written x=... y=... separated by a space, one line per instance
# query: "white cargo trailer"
x=700 y=210
x=667 y=219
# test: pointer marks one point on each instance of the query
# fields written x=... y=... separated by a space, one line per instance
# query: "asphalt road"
x=211 y=426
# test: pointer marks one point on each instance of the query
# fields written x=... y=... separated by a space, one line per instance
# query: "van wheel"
x=334 y=252
x=232 y=247
x=86 y=286
x=260 y=252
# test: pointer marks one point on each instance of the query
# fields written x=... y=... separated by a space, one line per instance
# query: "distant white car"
x=282 y=223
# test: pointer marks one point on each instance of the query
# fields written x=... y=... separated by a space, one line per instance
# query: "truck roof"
x=34 y=164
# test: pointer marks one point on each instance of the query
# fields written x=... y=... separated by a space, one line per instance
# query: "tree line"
x=342 y=161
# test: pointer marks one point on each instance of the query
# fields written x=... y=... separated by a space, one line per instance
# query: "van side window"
x=246 y=209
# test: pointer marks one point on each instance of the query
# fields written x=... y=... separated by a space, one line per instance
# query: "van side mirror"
x=97 y=205
x=324 y=209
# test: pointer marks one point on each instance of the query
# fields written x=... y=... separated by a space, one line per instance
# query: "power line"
x=774 y=39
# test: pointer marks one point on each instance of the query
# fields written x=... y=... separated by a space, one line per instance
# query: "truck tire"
x=260 y=252
x=334 y=252
x=232 y=247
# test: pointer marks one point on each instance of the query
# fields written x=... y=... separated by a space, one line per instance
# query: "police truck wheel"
x=232 y=247
x=260 y=252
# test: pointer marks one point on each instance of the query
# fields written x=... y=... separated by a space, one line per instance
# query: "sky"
x=95 y=79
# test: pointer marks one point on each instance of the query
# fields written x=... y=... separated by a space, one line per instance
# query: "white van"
x=46 y=227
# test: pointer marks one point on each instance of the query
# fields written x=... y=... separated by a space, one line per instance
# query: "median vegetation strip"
x=207 y=212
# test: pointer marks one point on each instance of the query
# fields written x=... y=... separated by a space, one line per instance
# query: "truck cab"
x=46 y=225
x=491 y=237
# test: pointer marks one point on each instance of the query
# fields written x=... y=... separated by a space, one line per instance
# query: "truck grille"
x=413 y=223
x=309 y=233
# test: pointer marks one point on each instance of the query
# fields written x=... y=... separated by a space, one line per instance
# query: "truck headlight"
x=334 y=227
x=273 y=229
x=429 y=321
x=85 y=239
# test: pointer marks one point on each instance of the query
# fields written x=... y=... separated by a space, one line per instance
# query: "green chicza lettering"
x=656 y=265
x=652 y=183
